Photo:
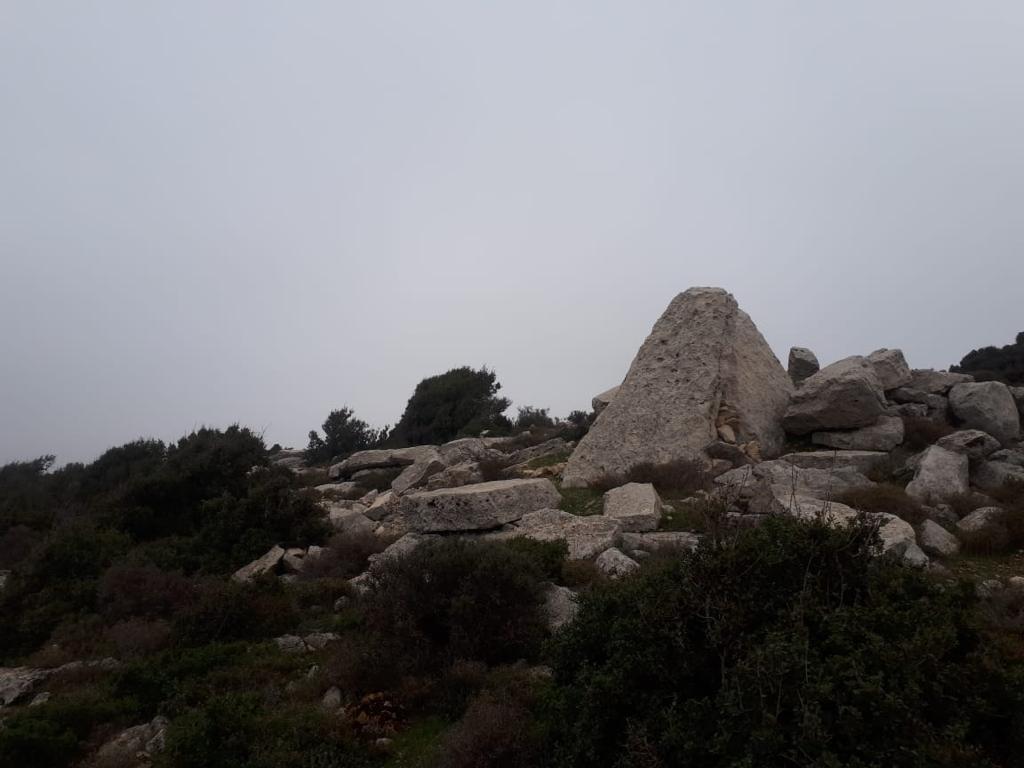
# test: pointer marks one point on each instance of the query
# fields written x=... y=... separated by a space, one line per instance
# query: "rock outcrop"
x=475 y=507
x=636 y=506
x=704 y=366
x=845 y=395
x=988 y=406
x=803 y=364
x=891 y=368
x=599 y=402
x=884 y=435
x=940 y=475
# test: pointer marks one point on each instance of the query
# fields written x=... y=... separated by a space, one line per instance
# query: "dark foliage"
x=531 y=418
x=673 y=478
x=919 y=432
x=459 y=600
x=460 y=402
x=790 y=646
x=1005 y=364
x=343 y=434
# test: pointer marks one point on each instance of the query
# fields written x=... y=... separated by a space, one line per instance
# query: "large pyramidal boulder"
x=705 y=372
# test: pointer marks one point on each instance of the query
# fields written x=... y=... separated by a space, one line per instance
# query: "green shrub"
x=532 y=418
x=460 y=402
x=494 y=732
x=343 y=434
x=790 y=645
x=223 y=610
x=1004 y=364
x=459 y=600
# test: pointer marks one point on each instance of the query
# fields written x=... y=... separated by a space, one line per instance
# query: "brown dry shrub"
x=495 y=731
x=920 y=431
x=130 y=590
x=345 y=555
x=135 y=638
x=681 y=477
x=884 y=497
x=494 y=468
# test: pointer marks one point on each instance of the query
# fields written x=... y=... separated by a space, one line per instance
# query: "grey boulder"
x=586 y=537
x=884 y=435
x=803 y=364
x=891 y=367
x=614 y=564
x=940 y=475
x=988 y=406
x=600 y=402
x=845 y=395
x=636 y=506
x=475 y=507
x=936 y=382
x=985 y=529
x=936 y=540
x=973 y=443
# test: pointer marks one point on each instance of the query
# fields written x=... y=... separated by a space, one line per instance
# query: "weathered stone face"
x=475 y=507
x=940 y=475
x=845 y=395
x=891 y=367
x=636 y=506
x=883 y=435
x=704 y=366
x=987 y=406
x=600 y=402
x=936 y=382
x=803 y=364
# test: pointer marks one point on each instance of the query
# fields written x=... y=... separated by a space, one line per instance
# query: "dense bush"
x=883 y=497
x=790 y=646
x=460 y=402
x=681 y=477
x=1004 y=364
x=343 y=434
x=529 y=417
x=459 y=600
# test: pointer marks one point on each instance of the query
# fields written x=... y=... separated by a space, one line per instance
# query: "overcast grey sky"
x=260 y=211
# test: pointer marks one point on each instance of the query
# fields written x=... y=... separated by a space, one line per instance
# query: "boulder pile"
x=704 y=389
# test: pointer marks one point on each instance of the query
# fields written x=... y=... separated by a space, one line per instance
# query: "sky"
x=258 y=212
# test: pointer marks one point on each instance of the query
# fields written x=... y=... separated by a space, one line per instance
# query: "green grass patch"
x=687 y=515
x=982 y=567
x=417 y=746
x=548 y=461
x=581 y=501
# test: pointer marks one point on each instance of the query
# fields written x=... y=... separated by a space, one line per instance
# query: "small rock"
x=803 y=364
x=265 y=564
x=891 y=367
x=985 y=528
x=614 y=564
x=560 y=606
x=636 y=506
x=331 y=700
x=936 y=540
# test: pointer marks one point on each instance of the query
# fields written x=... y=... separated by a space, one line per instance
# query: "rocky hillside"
x=738 y=564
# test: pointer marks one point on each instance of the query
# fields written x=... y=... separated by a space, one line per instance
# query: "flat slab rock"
x=587 y=537
x=884 y=435
x=636 y=506
x=859 y=461
x=817 y=483
x=476 y=507
x=704 y=365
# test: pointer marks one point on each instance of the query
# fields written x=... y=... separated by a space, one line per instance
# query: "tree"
x=457 y=403
x=530 y=417
x=1004 y=364
x=343 y=434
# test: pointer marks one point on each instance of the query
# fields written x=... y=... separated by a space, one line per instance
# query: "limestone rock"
x=456 y=476
x=17 y=682
x=466 y=449
x=383 y=458
x=936 y=540
x=863 y=462
x=884 y=435
x=351 y=521
x=401 y=548
x=936 y=382
x=813 y=482
x=973 y=443
x=551 y=447
x=614 y=564
x=383 y=504
x=899 y=542
x=891 y=367
x=416 y=475
x=803 y=364
x=940 y=475
x=1008 y=457
x=984 y=528
x=600 y=402
x=703 y=364
x=660 y=541
x=636 y=506
x=993 y=475
x=338 y=489
x=845 y=395
x=988 y=406
x=134 y=746
x=331 y=700
x=586 y=537
x=475 y=507
x=560 y=606
x=1018 y=397
x=290 y=644
x=256 y=568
